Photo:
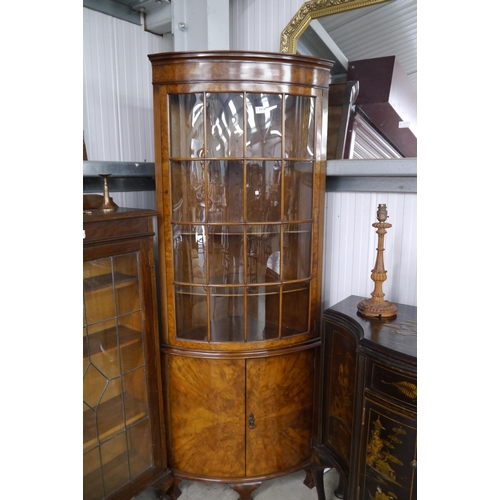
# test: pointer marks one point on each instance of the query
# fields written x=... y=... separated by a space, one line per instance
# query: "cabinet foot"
x=174 y=492
x=245 y=490
x=309 y=481
x=162 y=485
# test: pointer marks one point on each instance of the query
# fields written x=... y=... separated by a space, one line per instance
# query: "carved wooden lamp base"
x=375 y=309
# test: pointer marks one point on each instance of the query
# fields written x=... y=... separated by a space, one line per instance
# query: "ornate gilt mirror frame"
x=311 y=10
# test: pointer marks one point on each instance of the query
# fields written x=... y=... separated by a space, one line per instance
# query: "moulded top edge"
x=218 y=55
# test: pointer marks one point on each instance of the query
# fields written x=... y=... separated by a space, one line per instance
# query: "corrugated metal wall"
x=117 y=90
x=118 y=126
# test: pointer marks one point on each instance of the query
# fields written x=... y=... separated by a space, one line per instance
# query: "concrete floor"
x=288 y=487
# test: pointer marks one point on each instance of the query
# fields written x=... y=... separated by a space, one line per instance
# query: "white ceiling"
x=387 y=29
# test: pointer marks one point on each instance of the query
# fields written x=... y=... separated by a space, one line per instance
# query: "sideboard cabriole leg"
x=317 y=472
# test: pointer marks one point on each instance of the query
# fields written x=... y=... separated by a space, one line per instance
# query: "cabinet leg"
x=340 y=491
x=245 y=490
x=317 y=474
x=309 y=480
x=174 y=492
x=163 y=484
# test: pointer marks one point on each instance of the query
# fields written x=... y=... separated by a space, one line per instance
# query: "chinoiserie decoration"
x=377 y=307
x=108 y=205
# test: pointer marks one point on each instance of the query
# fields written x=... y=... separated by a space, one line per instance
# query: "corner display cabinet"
x=123 y=440
x=368 y=429
x=240 y=174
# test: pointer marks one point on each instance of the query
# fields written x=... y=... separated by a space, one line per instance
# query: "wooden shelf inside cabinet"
x=107 y=340
x=96 y=283
x=111 y=420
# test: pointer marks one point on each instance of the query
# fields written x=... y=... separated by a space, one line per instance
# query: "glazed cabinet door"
x=121 y=436
x=279 y=412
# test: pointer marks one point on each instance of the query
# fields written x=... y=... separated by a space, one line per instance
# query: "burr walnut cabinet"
x=368 y=426
x=123 y=424
x=240 y=142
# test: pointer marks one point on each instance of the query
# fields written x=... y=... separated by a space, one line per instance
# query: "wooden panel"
x=280 y=397
x=207 y=408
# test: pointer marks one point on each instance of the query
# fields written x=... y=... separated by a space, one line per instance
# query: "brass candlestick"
x=108 y=205
x=377 y=307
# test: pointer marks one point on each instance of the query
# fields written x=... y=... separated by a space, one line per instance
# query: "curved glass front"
x=241 y=173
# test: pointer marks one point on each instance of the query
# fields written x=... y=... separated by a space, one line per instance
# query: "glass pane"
x=264 y=191
x=299 y=126
x=98 y=291
x=94 y=383
x=190 y=254
x=186 y=125
x=90 y=440
x=139 y=441
x=224 y=125
x=92 y=477
x=130 y=338
x=225 y=249
x=115 y=463
x=110 y=411
x=188 y=191
x=103 y=348
x=295 y=318
x=297 y=251
x=125 y=275
x=191 y=312
x=225 y=191
x=227 y=310
x=263 y=312
x=263 y=253
x=298 y=190
x=264 y=131
x=134 y=396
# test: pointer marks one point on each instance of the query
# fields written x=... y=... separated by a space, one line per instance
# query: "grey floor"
x=288 y=487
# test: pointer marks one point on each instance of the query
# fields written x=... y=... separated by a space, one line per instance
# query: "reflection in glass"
x=225 y=247
x=264 y=129
x=186 y=125
x=191 y=312
x=227 y=314
x=263 y=248
x=299 y=126
x=225 y=191
x=264 y=191
x=190 y=253
x=298 y=190
x=297 y=251
x=224 y=125
x=188 y=191
x=263 y=312
x=295 y=315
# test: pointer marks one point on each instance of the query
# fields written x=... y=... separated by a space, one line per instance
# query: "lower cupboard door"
x=279 y=412
x=206 y=405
